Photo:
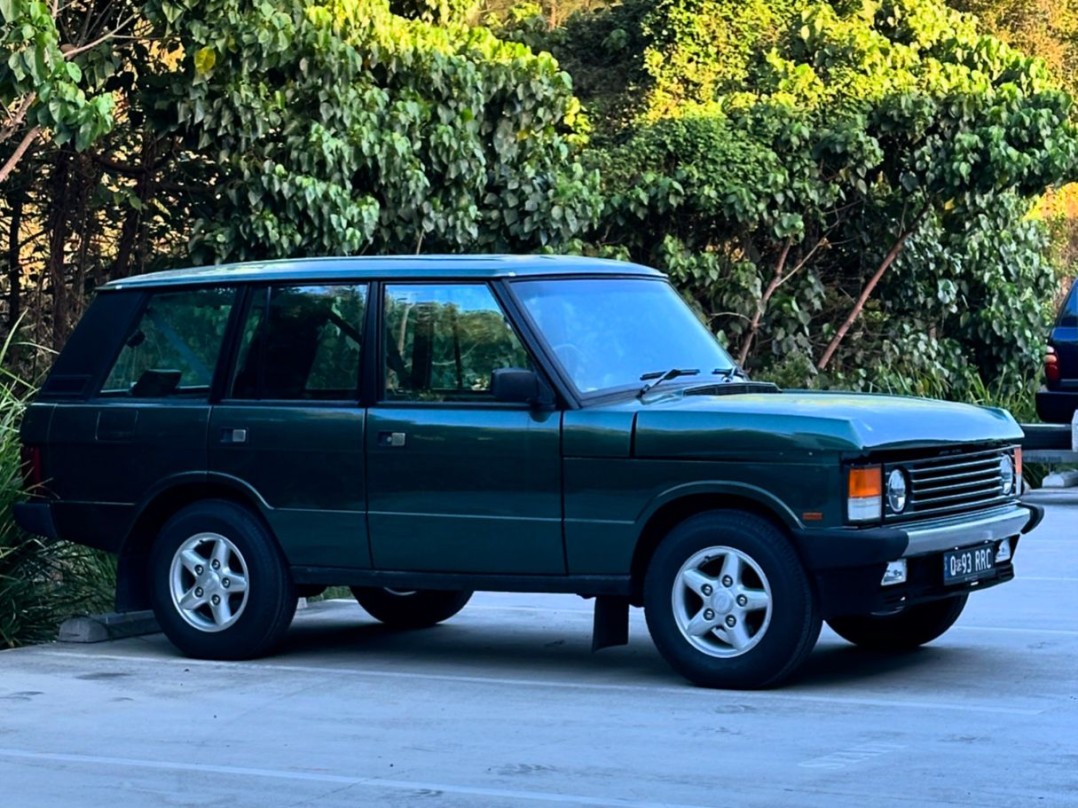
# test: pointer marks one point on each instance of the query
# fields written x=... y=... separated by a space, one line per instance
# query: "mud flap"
x=611 y=623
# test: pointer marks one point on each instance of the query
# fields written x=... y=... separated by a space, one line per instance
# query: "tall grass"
x=41 y=582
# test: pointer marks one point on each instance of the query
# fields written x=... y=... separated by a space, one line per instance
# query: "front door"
x=456 y=481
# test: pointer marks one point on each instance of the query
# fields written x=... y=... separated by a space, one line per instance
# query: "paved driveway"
x=506 y=706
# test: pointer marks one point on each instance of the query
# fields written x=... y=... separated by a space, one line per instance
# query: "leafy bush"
x=41 y=583
x=842 y=188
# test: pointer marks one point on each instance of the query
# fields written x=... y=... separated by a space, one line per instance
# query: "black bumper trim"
x=840 y=548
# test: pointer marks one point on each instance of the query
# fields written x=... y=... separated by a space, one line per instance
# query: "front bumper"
x=848 y=564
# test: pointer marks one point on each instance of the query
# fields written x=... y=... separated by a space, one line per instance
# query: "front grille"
x=952 y=483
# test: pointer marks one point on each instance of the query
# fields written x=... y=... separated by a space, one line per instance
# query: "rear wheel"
x=728 y=603
x=903 y=631
x=221 y=589
x=411 y=608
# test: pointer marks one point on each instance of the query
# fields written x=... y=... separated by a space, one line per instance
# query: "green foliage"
x=337 y=127
x=41 y=85
x=842 y=186
x=41 y=583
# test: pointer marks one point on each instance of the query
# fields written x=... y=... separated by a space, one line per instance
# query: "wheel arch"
x=166 y=499
x=675 y=509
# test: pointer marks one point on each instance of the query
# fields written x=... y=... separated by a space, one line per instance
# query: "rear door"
x=290 y=426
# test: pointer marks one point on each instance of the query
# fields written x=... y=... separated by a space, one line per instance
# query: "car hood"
x=684 y=424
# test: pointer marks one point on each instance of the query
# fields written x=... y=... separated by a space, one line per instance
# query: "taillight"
x=1051 y=365
x=31 y=466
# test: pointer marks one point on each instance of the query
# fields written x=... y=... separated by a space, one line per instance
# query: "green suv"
x=417 y=428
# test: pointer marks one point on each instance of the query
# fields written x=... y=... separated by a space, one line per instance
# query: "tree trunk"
x=14 y=263
x=144 y=191
x=866 y=293
x=58 y=231
x=761 y=307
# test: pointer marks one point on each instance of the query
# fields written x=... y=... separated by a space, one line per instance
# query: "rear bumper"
x=36 y=518
x=1056 y=406
x=848 y=564
x=94 y=524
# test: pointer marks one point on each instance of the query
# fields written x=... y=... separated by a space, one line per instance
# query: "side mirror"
x=520 y=386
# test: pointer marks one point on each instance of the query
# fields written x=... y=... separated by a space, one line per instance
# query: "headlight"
x=896 y=490
x=1006 y=475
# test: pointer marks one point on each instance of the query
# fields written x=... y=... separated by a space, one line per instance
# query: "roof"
x=390 y=267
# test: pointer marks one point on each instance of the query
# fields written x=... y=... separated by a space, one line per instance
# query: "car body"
x=420 y=427
x=1058 y=398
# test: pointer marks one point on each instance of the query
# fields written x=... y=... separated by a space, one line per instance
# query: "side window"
x=442 y=342
x=302 y=343
x=174 y=347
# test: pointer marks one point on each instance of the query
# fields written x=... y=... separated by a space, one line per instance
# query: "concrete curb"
x=111 y=626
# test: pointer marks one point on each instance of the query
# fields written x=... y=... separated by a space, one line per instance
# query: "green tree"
x=782 y=159
x=339 y=127
x=51 y=77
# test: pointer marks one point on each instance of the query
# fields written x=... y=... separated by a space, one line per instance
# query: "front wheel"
x=903 y=631
x=728 y=603
x=410 y=608
x=221 y=589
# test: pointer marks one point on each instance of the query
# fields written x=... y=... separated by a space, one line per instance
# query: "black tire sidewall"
x=795 y=621
x=911 y=628
x=271 y=599
x=420 y=608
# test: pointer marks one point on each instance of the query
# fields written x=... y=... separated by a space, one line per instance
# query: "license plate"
x=968 y=564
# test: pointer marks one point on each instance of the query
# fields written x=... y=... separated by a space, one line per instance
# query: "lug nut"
x=731 y=621
x=709 y=614
x=226 y=583
x=727 y=580
x=198 y=591
x=215 y=564
x=742 y=600
x=199 y=569
x=706 y=589
x=216 y=600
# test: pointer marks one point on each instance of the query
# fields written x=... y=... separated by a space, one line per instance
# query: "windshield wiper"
x=729 y=374
x=660 y=376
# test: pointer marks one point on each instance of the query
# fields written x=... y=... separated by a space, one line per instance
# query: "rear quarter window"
x=174 y=346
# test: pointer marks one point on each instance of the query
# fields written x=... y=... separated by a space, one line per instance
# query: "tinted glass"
x=302 y=343
x=443 y=342
x=174 y=348
x=609 y=333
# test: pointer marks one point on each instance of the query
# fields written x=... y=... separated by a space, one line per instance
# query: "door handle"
x=391 y=439
x=231 y=436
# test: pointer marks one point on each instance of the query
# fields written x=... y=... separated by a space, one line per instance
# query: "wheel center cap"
x=721 y=601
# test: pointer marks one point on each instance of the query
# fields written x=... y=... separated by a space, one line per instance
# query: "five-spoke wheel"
x=221 y=588
x=728 y=602
x=208 y=582
x=722 y=601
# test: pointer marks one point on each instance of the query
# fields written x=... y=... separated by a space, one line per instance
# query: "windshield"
x=610 y=333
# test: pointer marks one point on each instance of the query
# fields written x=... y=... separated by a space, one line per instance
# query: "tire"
x=912 y=627
x=248 y=620
x=730 y=565
x=417 y=608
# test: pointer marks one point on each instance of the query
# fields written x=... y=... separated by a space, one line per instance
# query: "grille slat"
x=950 y=484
